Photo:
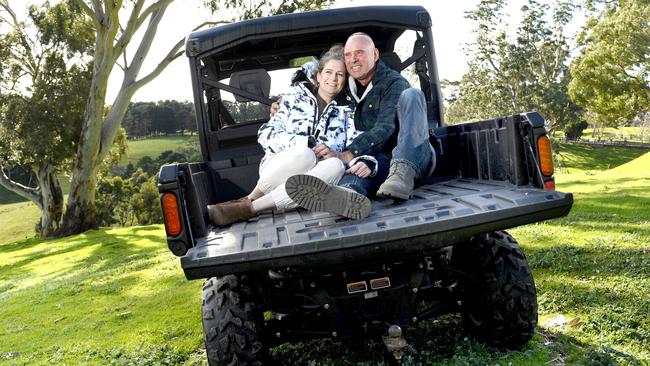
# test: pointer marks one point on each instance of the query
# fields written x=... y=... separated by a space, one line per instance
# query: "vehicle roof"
x=380 y=22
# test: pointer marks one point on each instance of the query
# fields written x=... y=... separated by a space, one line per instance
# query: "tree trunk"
x=51 y=202
x=48 y=196
x=80 y=212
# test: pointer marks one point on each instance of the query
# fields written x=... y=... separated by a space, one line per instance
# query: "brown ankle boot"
x=226 y=213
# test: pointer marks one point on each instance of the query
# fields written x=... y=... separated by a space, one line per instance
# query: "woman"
x=308 y=123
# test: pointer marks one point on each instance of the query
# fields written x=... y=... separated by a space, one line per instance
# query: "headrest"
x=256 y=81
x=391 y=60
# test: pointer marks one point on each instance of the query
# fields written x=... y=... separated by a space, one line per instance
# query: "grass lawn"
x=118 y=297
x=631 y=134
x=619 y=134
x=153 y=146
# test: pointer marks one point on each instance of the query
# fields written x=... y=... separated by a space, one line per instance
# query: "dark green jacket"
x=376 y=114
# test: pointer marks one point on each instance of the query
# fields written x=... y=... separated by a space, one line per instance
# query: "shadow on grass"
x=587 y=157
x=110 y=252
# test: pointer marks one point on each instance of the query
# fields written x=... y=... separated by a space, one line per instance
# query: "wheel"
x=231 y=323
x=498 y=297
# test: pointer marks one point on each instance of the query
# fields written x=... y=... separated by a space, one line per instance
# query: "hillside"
x=117 y=296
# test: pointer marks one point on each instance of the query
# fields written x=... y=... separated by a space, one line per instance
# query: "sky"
x=451 y=31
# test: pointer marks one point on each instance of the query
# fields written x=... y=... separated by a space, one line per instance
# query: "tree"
x=42 y=98
x=512 y=72
x=112 y=36
x=611 y=76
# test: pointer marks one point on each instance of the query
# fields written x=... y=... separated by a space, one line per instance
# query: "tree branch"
x=161 y=4
x=110 y=127
x=92 y=14
x=131 y=28
x=29 y=193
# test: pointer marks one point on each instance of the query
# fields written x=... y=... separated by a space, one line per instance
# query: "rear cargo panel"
x=438 y=215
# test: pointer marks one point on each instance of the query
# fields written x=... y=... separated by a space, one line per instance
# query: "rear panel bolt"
x=459 y=303
x=277 y=334
x=312 y=285
x=415 y=290
x=415 y=319
x=334 y=334
x=326 y=306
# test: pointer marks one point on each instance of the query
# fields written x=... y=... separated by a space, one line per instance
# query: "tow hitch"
x=394 y=342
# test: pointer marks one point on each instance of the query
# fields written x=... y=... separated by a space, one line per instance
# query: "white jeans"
x=277 y=168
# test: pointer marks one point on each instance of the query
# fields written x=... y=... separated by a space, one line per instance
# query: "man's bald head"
x=361 y=57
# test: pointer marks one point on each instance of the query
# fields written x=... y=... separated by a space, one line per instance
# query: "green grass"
x=17 y=221
x=153 y=146
x=117 y=296
x=576 y=158
x=630 y=134
x=107 y=296
x=618 y=134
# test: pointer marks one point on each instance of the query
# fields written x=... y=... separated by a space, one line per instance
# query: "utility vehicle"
x=284 y=277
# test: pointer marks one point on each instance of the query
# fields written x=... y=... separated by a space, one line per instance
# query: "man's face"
x=360 y=58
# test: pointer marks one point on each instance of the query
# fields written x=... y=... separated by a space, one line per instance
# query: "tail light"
x=171 y=215
x=545 y=155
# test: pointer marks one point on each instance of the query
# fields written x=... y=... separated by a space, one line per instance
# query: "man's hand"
x=274 y=107
x=359 y=169
x=323 y=152
x=345 y=156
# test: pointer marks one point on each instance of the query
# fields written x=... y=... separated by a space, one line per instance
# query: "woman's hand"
x=359 y=169
x=323 y=152
x=275 y=107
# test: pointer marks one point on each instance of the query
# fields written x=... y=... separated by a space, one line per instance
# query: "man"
x=393 y=118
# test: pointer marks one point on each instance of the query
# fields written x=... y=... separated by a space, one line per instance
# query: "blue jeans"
x=413 y=147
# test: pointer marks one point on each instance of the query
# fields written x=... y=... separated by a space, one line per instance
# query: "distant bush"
x=573 y=130
x=128 y=196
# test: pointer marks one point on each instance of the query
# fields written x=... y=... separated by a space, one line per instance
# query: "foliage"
x=130 y=197
x=114 y=24
x=44 y=78
x=513 y=72
x=163 y=117
x=590 y=269
x=260 y=8
x=573 y=129
x=128 y=202
x=611 y=76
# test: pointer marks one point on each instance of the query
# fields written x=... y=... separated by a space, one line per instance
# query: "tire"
x=499 y=301
x=231 y=323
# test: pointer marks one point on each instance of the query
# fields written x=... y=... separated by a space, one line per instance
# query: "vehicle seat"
x=256 y=81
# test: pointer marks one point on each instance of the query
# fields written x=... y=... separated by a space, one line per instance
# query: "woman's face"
x=331 y=79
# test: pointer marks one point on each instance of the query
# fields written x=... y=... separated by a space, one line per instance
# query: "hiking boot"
x=315 y=195
x=399 y=184
x=226 y=213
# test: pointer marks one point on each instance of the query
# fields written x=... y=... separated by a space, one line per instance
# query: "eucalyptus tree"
x=611 y=75
x=45 y=76
x=114 y=23
x=516 y=69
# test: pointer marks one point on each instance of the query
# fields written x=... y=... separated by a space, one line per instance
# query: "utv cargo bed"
x=438 y=215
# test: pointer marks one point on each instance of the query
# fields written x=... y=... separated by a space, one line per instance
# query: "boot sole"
x=315 y=195
x=393 y=195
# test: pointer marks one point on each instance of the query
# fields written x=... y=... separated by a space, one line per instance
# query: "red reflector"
x=545 y=155
x=549 y=185
x=170 y=213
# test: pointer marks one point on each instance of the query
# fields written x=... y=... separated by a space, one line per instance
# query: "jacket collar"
x=380 y=72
